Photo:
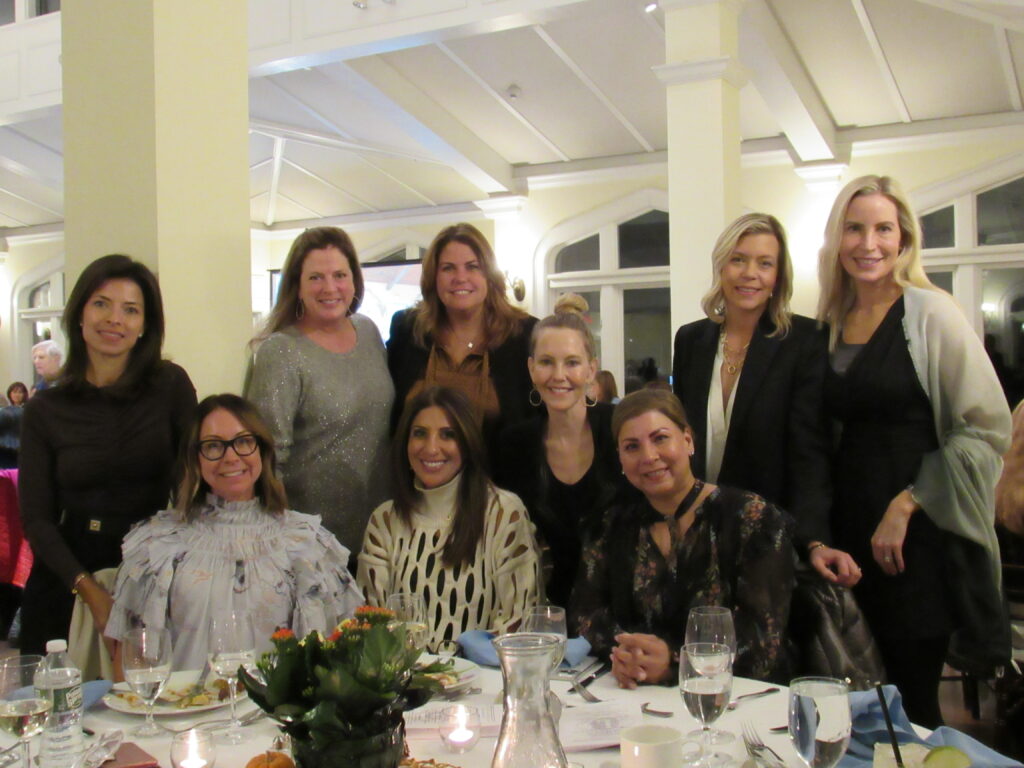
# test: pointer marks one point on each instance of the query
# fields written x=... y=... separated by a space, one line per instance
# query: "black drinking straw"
x=888 y=725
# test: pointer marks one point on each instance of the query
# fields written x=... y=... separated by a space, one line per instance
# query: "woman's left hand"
x=640 y=658
x=887 y=540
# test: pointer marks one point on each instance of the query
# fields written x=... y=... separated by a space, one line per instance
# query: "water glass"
x=819 y=720
x=705 y=683
x=548 y=620
x=232 y=645
x=146 y=660
x=712 y=624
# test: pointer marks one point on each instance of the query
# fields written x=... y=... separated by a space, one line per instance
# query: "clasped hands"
x=640 y=658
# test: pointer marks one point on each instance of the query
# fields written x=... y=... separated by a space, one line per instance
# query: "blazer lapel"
x=755 y=370
x=704 y=351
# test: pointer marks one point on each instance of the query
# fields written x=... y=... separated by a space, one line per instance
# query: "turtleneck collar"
x=438 y=504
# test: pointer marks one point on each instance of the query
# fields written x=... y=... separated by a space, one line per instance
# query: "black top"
x=562 y=513
x=93 y=463
x=407 y=362
x=777 y=444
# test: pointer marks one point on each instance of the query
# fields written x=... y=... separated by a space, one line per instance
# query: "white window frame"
x=51 y=271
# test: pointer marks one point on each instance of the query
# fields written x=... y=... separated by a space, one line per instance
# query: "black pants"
x=46 y=606
x=914 y=665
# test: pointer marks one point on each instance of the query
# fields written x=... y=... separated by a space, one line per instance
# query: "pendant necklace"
x=733 y=364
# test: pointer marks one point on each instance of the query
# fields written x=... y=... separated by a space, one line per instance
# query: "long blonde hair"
x=777 y=310
x=837 y=290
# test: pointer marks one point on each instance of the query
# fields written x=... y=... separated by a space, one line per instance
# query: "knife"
x=593 y=673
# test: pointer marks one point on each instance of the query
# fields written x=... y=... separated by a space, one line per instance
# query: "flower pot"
x=385 y=750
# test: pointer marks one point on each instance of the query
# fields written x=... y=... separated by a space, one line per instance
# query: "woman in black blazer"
x=750 y=377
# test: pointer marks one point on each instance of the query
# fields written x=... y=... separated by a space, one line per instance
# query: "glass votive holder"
x=193 y=749
x=460 y=728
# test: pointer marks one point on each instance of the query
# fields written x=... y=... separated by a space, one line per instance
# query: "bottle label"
x=63 y=699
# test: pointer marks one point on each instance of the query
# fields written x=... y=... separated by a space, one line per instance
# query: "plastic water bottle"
x=60 y=682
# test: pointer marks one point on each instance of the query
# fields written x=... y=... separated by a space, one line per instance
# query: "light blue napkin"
x=92 y=692
x=477 y=647
x=869 y=728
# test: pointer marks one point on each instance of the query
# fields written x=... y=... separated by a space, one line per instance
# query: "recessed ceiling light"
x=650 y=7
x=513 y=92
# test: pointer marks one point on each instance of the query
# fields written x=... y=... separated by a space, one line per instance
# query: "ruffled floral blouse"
x=737 y=553
x=286 y=570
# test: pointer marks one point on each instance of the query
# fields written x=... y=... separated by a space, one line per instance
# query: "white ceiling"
x=432 y=124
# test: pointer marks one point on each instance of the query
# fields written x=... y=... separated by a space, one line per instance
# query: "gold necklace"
x=733 y=365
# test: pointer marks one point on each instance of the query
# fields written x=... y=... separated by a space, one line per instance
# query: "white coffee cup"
x=656 y=746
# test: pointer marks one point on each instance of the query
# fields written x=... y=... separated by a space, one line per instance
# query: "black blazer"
x=777 y=445
x=407 y=362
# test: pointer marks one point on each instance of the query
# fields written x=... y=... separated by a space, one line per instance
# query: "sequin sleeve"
x=276 y=389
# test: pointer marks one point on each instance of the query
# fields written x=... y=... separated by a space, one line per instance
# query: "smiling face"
x=749 y=275
x=326 y=286
x=655 y=456
x=434 y=453
x=113 y=319
x=461 y=283
x=871 y=239
x=561 y=369
x=232 y=477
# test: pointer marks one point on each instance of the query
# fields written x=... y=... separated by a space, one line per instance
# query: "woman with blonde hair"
x=320 y=378
x=463 y=333
x=923 y=425
x=750 y=376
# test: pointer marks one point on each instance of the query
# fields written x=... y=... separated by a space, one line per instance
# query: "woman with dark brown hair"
x=320 y=378
x=449 y=533
x=230 y=544
x=464 y=333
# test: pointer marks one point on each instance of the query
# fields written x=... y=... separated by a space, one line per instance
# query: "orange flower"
x=282 y=634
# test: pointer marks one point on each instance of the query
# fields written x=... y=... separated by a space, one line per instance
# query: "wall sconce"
x=517 y=285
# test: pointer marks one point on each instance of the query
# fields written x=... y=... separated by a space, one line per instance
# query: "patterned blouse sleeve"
x=325 y=592
x=276 y=389
x=374 y=572
x=592 y=615
x=143 y=587
x=512 y=553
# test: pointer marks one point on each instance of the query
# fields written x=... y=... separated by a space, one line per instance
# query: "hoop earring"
x=540 y=400
x=589 y=401
x=300 y=310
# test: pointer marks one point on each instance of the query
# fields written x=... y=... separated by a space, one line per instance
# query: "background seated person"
x=449 y=534
x=681 y=544
x=230 y=544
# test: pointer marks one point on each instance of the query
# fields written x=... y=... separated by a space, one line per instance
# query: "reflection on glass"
x=937 y=229
x=1002 y=305
x=643 y=241
x=579 y=256
x=1000 y=218
x=647 y=337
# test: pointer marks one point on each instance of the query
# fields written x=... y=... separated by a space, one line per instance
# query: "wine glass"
x=819 y=720
x=705 y=683
x=548 y=620
x=232 y=645
x=22 y=717
x=410 y=610
x=146 y=660
x=712 y=624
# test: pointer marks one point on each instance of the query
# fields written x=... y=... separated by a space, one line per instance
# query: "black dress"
x=887 y=425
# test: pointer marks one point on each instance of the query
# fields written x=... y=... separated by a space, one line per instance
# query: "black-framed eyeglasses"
x=242 y=445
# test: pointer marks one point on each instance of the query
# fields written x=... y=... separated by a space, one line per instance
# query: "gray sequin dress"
x=329 y=414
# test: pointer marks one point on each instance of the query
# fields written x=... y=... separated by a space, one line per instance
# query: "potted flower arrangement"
x=341 y=697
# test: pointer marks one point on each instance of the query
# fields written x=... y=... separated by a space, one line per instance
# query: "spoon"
x=755 y=695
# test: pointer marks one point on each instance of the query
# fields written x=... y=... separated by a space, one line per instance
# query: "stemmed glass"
x=232 y=645
x=819 y=720
x=146 y=659
x=705 y=683
x=712 y=624
x=548 y=620
x=410 y=610
x=23 y=718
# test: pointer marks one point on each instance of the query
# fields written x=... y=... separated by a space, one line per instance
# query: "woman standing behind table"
x=924 y=422
x=463 y=334
x=750 y=376
x=562 y=463
x=449 y=534
x=320 y=379
x=97 y=450
x=229 y=544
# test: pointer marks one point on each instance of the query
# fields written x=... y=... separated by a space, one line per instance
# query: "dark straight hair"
x=474 y=484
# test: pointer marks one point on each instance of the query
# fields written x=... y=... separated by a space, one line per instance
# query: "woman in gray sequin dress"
x=320 y=378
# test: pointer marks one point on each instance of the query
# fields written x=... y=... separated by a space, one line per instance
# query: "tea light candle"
x=460 y=728
x=192 y=749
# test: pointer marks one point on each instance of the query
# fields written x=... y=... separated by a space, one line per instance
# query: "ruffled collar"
x=250 y=510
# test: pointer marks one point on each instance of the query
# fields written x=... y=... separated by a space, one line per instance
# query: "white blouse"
x=491 y=592
x=285 y=570
x=718 y=419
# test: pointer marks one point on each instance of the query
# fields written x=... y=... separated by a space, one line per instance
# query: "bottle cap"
x=56 y=646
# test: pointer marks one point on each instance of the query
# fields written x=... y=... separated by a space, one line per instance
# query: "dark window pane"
x=937 y=228
x=942 y=278
x=394 y=256
x=6 y=11
x=643 y=241
x=647 y=336
x=47 y=6
x=1002 y=307
x=579 y=256
x=1001 y=214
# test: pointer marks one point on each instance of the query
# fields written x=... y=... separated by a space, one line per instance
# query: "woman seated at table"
x=230 y=544
x=449 y=534
x=683 y=543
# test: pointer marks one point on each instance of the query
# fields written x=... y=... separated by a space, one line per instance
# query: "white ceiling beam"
x=275 y=180
x=436 y=129
x=1009 y=71
x=354 y=198
x=500 y=99
x=972 y=11
x=593 y=87
x=316 y=138
x=33 y=203
x=880 y=60
x=783 y=83
x=361 y=222
x=31 y=159
x=297 y=204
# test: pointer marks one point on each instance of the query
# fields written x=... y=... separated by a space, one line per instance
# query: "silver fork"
x=584 y=693
x=761 y=753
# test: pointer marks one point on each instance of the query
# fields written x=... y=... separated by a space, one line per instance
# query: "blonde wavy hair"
x=778 y=310
x=837 y=292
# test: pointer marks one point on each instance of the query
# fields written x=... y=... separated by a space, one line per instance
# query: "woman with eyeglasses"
x=230 y=543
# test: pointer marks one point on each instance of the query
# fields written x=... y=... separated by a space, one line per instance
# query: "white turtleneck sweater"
x=490 y=592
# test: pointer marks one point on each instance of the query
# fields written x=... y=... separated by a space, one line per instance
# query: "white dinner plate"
x=179 y=681
x=464 y=668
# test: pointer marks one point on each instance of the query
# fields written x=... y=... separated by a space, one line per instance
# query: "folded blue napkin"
x=92 y=692
x=869 y=728
x=477 y=647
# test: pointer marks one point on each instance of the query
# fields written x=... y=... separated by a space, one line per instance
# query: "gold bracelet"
x=816 y=545
x=77 y=581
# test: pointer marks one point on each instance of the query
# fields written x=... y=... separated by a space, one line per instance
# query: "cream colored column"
x=702 y=77
x=156 y=163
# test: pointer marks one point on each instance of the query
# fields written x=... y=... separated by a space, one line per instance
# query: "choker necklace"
x=733 y=365
x=691 y=496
